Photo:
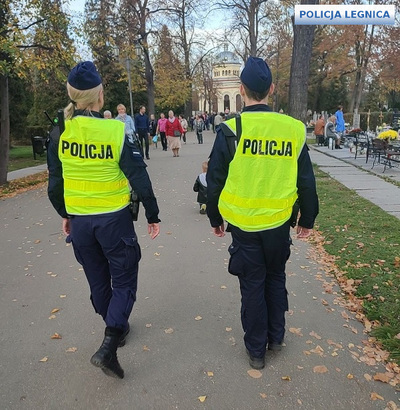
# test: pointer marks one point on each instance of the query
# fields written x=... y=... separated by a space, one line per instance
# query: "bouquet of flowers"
x=388 y=135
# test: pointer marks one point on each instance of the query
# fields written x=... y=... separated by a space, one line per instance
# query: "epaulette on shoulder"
x=226 y=130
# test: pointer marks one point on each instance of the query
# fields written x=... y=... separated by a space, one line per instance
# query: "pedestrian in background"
x=107 y=114
x=142 y=125
x=173 y=130
x=200 y=186
x=340 y=126
x=184 y=124
x=122 y=116
x=217 y=120
x=153 y=129
x=90 y=169
x=254 y=189
x=319 y=130
x=161 y=124
x=331 y=134
x=198 y=125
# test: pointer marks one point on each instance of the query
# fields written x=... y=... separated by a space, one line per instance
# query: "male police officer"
x=254 y=189
x=89 y=169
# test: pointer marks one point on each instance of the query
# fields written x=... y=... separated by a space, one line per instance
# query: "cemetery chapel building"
x=226 y=82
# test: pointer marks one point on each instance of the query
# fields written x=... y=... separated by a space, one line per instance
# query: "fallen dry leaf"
x=287 y=378
x=391 y=405
x=263 y=395
x=345 y=315
x=376 y=396
x=156 y=254
x=71 y=349
x=198 y=318
x=169 y=330
x=382 y=377
x=320 y=369
x=255 y=374
x=318 y=350
x=56 y=336
x=223 y=287
x=295 y=330
x=55 y=310
x=228 y=329
x=44 y=359
x=202 y=399
x=63 y=296
x=315 y=335
x=350 y=376
x=368 y=377
x=52 y=317
x=146 y=349
x=210 y=374
x=324 y=302
x=148 y=324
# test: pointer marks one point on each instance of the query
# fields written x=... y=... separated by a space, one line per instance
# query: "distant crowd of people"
x=169 y=131
x=331 y=130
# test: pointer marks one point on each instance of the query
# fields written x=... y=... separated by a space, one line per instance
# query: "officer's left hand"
x=154 y=230
x=303 y=232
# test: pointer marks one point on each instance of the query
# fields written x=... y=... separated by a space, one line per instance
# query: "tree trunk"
x=300 y=68
x=4 y=128
x=149 y=71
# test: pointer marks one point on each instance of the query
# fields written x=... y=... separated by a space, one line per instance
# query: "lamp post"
x=128 y=69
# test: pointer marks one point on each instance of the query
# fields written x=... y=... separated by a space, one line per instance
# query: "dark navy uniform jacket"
x=220 y=158
x=131 y=164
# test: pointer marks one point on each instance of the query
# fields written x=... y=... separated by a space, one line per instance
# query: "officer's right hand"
x=303 y=232
x=153 y=229
x=66 y=226
x=219 y=230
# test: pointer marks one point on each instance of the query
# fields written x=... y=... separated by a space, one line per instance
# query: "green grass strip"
x=366 y=243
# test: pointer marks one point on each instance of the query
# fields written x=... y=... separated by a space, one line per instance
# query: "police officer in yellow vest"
x=254 y=189
x=90 y=169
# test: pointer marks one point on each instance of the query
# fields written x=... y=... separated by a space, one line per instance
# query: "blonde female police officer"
x=254 y=189
x=89 y=170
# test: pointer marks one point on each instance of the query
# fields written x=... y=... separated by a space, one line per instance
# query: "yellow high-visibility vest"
x=261 y=186
x=90 y=149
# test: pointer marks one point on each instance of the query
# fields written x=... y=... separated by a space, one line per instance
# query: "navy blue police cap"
x=256 y=75
x=84 y=76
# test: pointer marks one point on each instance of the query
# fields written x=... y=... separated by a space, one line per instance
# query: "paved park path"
x=186 y=339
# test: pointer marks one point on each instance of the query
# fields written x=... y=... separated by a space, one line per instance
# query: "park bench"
x=391 y=157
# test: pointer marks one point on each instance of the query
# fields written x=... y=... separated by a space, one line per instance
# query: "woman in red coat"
x=173 y=131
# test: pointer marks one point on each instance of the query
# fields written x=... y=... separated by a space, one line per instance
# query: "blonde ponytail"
x=69 y=111
x=82 y=99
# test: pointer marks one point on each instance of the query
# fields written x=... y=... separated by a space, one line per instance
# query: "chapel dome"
x=227 y=57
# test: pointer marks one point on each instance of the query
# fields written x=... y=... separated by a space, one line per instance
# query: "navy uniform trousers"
x=259 y=259
x=107 y=248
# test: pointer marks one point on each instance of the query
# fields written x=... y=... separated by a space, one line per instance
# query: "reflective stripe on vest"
x=90 y=149
x=261 y=186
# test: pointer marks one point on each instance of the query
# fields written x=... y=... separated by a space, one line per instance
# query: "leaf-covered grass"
x=22 y=157
x=20 y=185
x=366 y=243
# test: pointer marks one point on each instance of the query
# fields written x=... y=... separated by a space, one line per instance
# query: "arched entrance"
x=238 y=103
x=227 y=102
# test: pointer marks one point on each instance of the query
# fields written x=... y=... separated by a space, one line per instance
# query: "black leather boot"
x=106 y=356
x=122 y=339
